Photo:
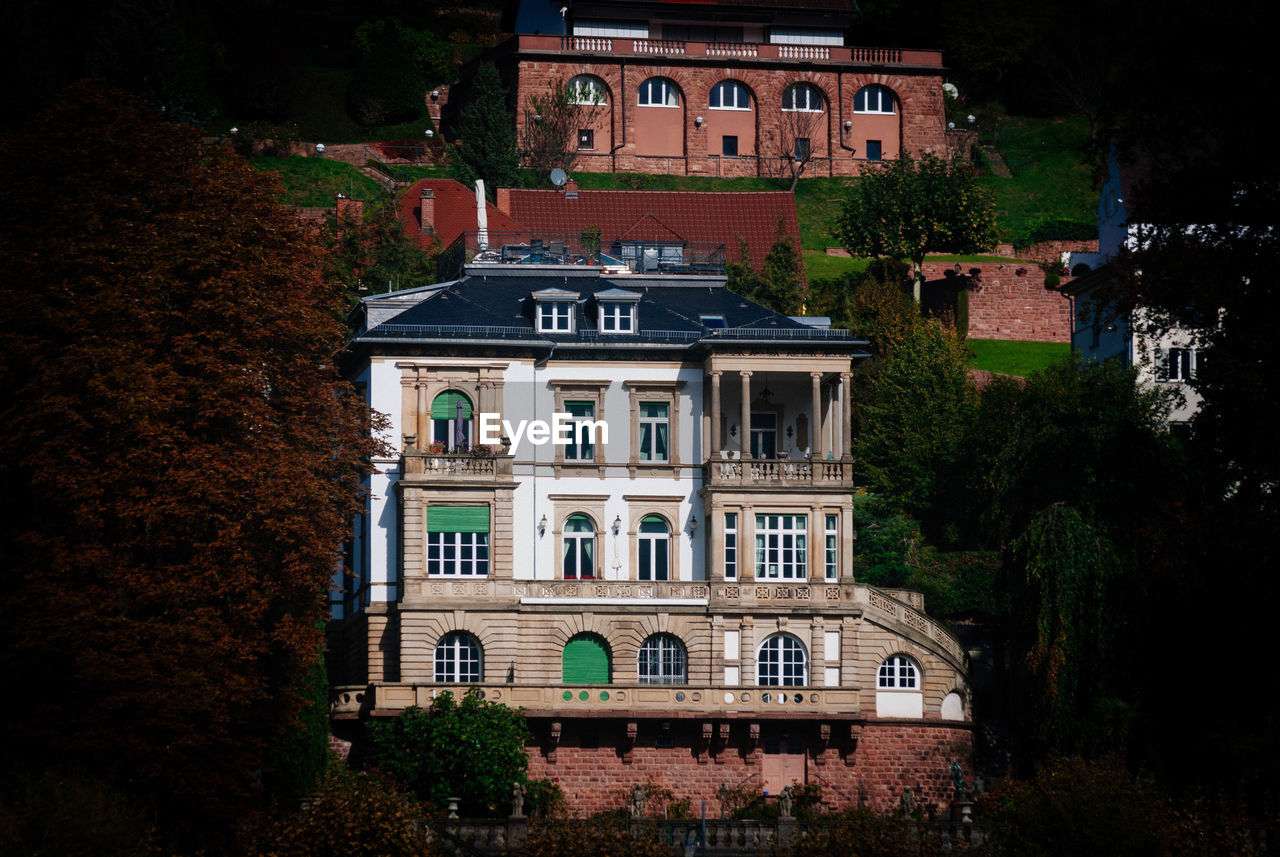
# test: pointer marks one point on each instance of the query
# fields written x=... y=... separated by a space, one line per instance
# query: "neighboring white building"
x=675 y=594
x=1168 y=359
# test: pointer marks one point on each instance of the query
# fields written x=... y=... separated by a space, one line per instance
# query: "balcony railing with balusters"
x=620 y=46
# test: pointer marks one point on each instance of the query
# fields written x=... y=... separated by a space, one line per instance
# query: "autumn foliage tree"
x=179 y=460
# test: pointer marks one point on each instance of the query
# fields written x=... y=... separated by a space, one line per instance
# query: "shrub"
x=473 y=750
x=1052 y=229
x=352 y=815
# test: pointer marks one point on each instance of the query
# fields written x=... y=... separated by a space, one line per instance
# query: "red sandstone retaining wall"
x=1006 y=304
x=889 y=757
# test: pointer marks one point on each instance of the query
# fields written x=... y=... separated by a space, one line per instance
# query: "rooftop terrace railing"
x=622 y=46
x=585 y=248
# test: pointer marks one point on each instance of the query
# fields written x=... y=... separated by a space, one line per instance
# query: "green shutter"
x=445 y=406
x=585 y=661
x=458 y=519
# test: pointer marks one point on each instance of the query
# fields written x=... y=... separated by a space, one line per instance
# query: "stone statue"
x=907 y=803
x=517 y=800
x=957 y=780
x=785 y=801
x=637 y=801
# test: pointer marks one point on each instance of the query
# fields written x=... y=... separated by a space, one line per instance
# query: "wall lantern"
x=617 y=525
x=542 y=526
x=698 y=121
x=848 y=124
x=320 y=149
x=693 y=524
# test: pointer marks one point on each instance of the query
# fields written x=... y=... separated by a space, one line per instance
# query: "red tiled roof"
x=455 y=212
x=720 y=217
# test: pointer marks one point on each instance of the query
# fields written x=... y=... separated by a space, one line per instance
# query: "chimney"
x=504 y=200
x=348 y=211
x=570 y=190
x=427 y=210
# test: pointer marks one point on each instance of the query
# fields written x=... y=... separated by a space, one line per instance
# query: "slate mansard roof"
x=495 y=304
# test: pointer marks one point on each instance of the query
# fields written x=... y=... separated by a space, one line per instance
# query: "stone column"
x=745 y=425
x=424 y=417
x=715 y=415
x=818 y=451
x=846 y=404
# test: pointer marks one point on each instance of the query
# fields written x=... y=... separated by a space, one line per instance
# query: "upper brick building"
x=710 y=87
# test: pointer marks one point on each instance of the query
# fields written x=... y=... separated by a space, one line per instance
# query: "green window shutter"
x=458 y=519
x=585 y=661
x=445 y=406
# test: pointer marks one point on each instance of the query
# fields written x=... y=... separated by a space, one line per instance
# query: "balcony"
x=779 y=474
x=719 y=51
x=456 y=468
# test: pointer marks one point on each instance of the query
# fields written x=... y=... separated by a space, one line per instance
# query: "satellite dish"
x=559 y=177
x=950 y=90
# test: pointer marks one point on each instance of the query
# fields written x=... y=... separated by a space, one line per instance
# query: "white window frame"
x=810 y=92
x=577 y=539
x=872 y=98
x=587 y=89
x=654 y=424
x=831 y=547
x=474 y=545
x=659 y=544
x=460 y=651
x=555 y=317
x=580 y=447
x=668 y=95
x=898 y=672
x=740 y=96
x=612 y=315
x=782 y=546
x=1169 y=364
x=782 y=661
x=668 y=655
x=730 y=545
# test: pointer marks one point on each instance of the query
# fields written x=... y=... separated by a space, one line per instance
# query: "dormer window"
x=555 y=317
x=554 y=310
x=617 y=318
x=616 y=311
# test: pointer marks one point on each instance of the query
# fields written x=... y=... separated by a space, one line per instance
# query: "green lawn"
x=317 y=181
x=1009 y=357
x=820 y=266
x=1050 y=176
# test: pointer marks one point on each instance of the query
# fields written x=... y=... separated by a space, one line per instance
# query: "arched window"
x=659 y=92
x=898 y=672
x=803 y=98
x=654 y=549
x=458 y=659
x=585 y=660
x=451 y=414
x=579 y=548
x=874 y=99
x=663 y=661
x=730 y=95
x=587 y=89
x=782 y=662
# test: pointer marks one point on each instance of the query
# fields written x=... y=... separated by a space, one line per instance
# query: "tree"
x=551 y=124
x=779 y=284
x=797 y=129
x=180 y=458
x=387 y=86
x=1080 y=477
x=487 y=135
x=906 y=208
x=473 y=750
x=914 y=427
x=374 y=254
